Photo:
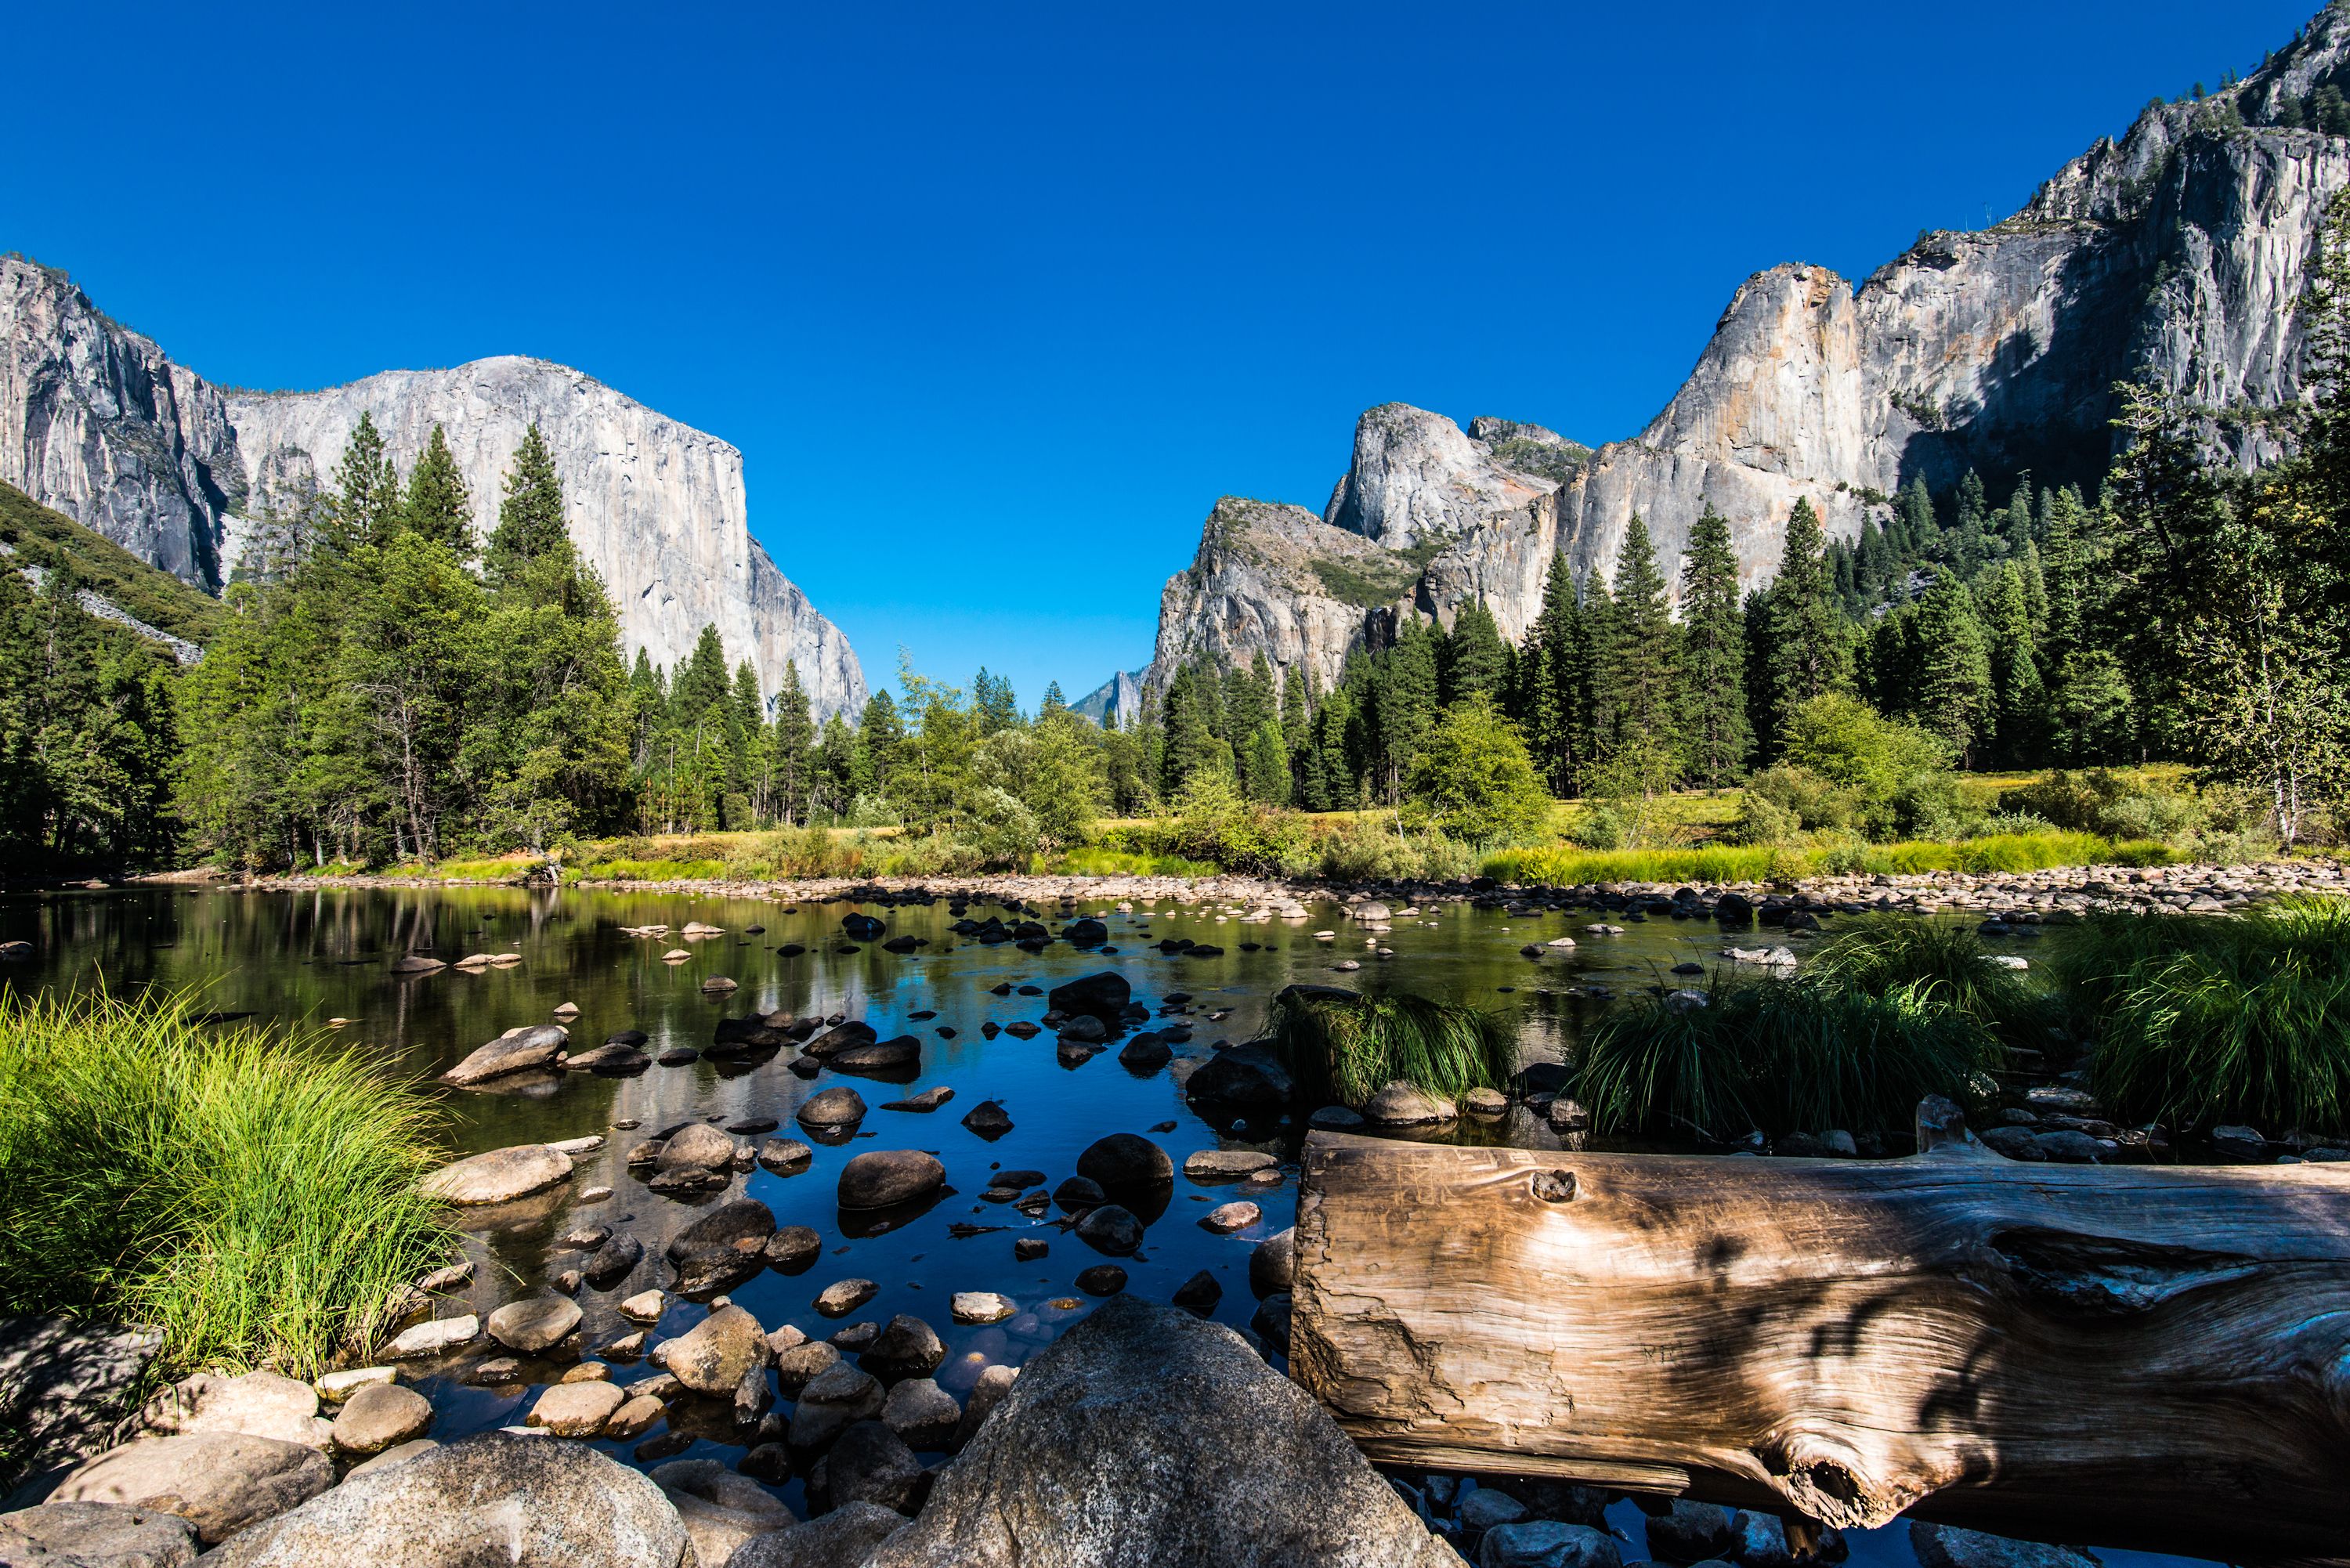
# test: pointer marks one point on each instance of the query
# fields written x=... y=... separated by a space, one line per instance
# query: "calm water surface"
x=311 y=956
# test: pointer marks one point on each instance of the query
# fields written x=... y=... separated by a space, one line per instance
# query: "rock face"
x=2177 y=252
x=218 y=1481
x=1145 y=1435
x=97 y=422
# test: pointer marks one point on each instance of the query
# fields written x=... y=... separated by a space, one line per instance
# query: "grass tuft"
x=1345 y=1046
x=251 y=1192
x=1945 y=962
x=2203 y=1020
x=1783 y=1055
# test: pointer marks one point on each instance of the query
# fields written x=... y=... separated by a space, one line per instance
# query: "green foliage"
x=54 y=542
x=1343 y=1046
x=1566 y=866
x=252 y=1193
x=1473 y=779
x=1795 y=1056
x=2210 y=1021
x=1715 y=735
x=1944 y=962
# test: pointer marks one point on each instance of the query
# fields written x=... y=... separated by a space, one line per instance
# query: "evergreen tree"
x=791 y=741
x=1054 y=705
x=438 y=506
x=1403 y=705
x=1804 y=650
x=2021 y=700
x=530 y=514
x=1954 y=685
x=993 y=706
x=1642 y=672
x=367 y=501
x=1714 y=656
x=1473 y=660
x=880 y=736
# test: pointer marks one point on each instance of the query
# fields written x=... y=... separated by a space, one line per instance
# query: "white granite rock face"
x=97 y=422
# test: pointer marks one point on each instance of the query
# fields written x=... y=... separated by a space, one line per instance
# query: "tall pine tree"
x=1715 y=737
x=438 y=506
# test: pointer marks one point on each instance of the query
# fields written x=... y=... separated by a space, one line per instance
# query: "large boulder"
x=519 y=1503
x=1102 y=995
x=723 y=1248
x=1123 y=1161
x=95 y=1535
x=880 y=1058
x=721 y=1508
x=65 y=1385
x=258 y=1403
x=382 y=1416
x=839 y=1106
x=1247 y=1080
x=218 y=1481
x=712 y=1356
x=1145 y=1435
x=882 y=1177
x=499 y=1175
x=516 y=1051
x=534 y=1323
x=840 y=1037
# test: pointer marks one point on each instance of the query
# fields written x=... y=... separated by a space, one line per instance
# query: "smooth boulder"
x=520 y=1503
x=1121 y=1443
x=1247 y=1080
x=499 y=1175
x=382 y=1416
x=220 y=1482
x=95 y=1535
x=1102 y=995
x=839 y=1106
x=878 y=1178
x=723 y=1248
x=516 y=1051
x=1126 y=1160
x=712 y=1356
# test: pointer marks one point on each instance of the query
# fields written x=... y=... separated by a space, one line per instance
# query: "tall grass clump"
x=251 y=1192
x=1945 y=962
x=1345 y=1046
x=2203 y=1020
x=1565 y=865
x=1787 y=1055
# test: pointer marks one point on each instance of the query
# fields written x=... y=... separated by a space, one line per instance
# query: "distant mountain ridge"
x=99 y=423
x=2177 y=253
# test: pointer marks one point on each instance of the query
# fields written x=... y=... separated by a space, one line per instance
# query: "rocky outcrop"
x=2178 y=253
x=100 y=424
x=1116 y=701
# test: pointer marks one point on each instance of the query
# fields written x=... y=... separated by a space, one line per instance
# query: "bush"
x=1473 y=780
x=1897 y=776
x=252 y=1193
x=1794 y=1056
x=1944 y=962
x=1343 y=1046
x=1369 y=848
x=2202 y=1021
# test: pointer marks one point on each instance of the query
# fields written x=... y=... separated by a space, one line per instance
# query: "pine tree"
x=1954 y=686
x=993 y=706
x=2021 y=700
x=1803 y=638
x=1403 y=705
x=1594 y=717
x=1296 y=712
x=789 y=743
x=530 y=514
x=1473 y=660
x=1641 y=671
x=1715 y=736
x=367 y=502
x=438 y=504
x=1054 y=705
x=880 y=736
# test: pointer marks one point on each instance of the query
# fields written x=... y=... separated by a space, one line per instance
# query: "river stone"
x=1224 y=1164
x=713 y=1354
x=1102 y=1280
x=723 y=1248
x=499 y=1175
x=907 y=1347
x=516 y=1051
x=785 y=1156
x=1227 y=1218
x=95 y=1535
x=1079 y=1192
x=879 y=1056
x=841 y=1539
x=1272 y=1266
x=922 y=1414
x=840 y=1037
x=1110 y=1228
x=831 y=1402
x=994 y=1382
x=792 y=1248
x=258 y=1403
x=380 y=1415
x=838 y=1107
x=697 y=1146
x=1400 y=1104
x=1691 y=1531
x=879 y=1177
x=218 y=1481
x=334 y=1387
x=613 y=1261
x=989 y=1120
x=1547 y=1544
x=433 y=1337
x=534 y=1323
x=1102 y=995
x=842 y=1297
x=796 y=1364
x=577 y=1409
x=1947 y=1546
x=981 y=1306
x=1247 y=1080
x=721 y=1508
x=870 y=1463
x=519 y=1503
x=1126 y=1160
x=1115 y=1445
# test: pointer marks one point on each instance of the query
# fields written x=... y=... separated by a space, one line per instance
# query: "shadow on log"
x=2151 y=1356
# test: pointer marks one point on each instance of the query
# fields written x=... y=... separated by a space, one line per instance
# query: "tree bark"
x=2155 y=1357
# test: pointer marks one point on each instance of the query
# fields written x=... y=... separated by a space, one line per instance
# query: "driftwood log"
x=2155 y=1357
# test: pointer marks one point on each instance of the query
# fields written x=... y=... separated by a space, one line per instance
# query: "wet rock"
x=1271 y=1322
x=2014 y=1142
x=1484 y=1102
x=499 y=1175
x=95 y=1535
x=927 y=1100
x=645 y=1306
x=1110 y=1228
x=221 y=1482
x=696 y=1146
x=1102 y=1280
x=723 y=1248
x=830 y=1402
x=1199 y=1295
x=1227 y=1218
x=1113 y=1446
x=380 y=1416
x=1401 y=1105
x=535 y=1324
x=792 y=1248
x=1126 y=1161
x=989 y=1120
x=797 y=1365
x=1946 y=1546
x=613 y=1261
x=1333 y=1118
x=516 y=1051
x=609 y=1058
x=902 y=1055
x=1079 y=1192
x=839 y=1106
x=981 y=1306
x=861 y=928
x=1028 y=1249
x=845 y=1296
x=576 y=1409
x=1691 y=1531
x=1103 y=995
x=335 y=1387
x=881 y=1177
x=870 y=1463
x=843 y=1538
x=1272 y=1266
x=1247 y=1080
x=1146 y=1053
x=1547 y=1544
x=432 y=1338
x=712 y=1356
x=1487 y=1507
x=922 y=1414
x=522 y=1502
x=1208 y=1165
x=907 y=1347
x=787 y=1155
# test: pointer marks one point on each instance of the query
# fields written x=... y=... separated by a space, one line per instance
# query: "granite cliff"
x=100 y=424
x=2177 y=253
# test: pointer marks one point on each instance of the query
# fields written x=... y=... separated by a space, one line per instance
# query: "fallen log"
x=2155 y=1357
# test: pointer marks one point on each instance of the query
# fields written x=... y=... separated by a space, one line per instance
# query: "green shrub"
x=252 y=1193
x=1564 y=867
x=2202 y=1020
x=1473 y=779
x=1343 y=1046
x=1944 y=962
x=1795 y=1056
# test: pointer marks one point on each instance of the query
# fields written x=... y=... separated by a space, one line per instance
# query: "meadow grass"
x=1945 y=963
x=1093 y=861
x=2204 y=1021
x=252 y=1192
x=1342 y=1046
x=1783 y=1055
x=1562 y=866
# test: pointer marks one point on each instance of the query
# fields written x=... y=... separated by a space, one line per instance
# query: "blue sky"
x=997 y=300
